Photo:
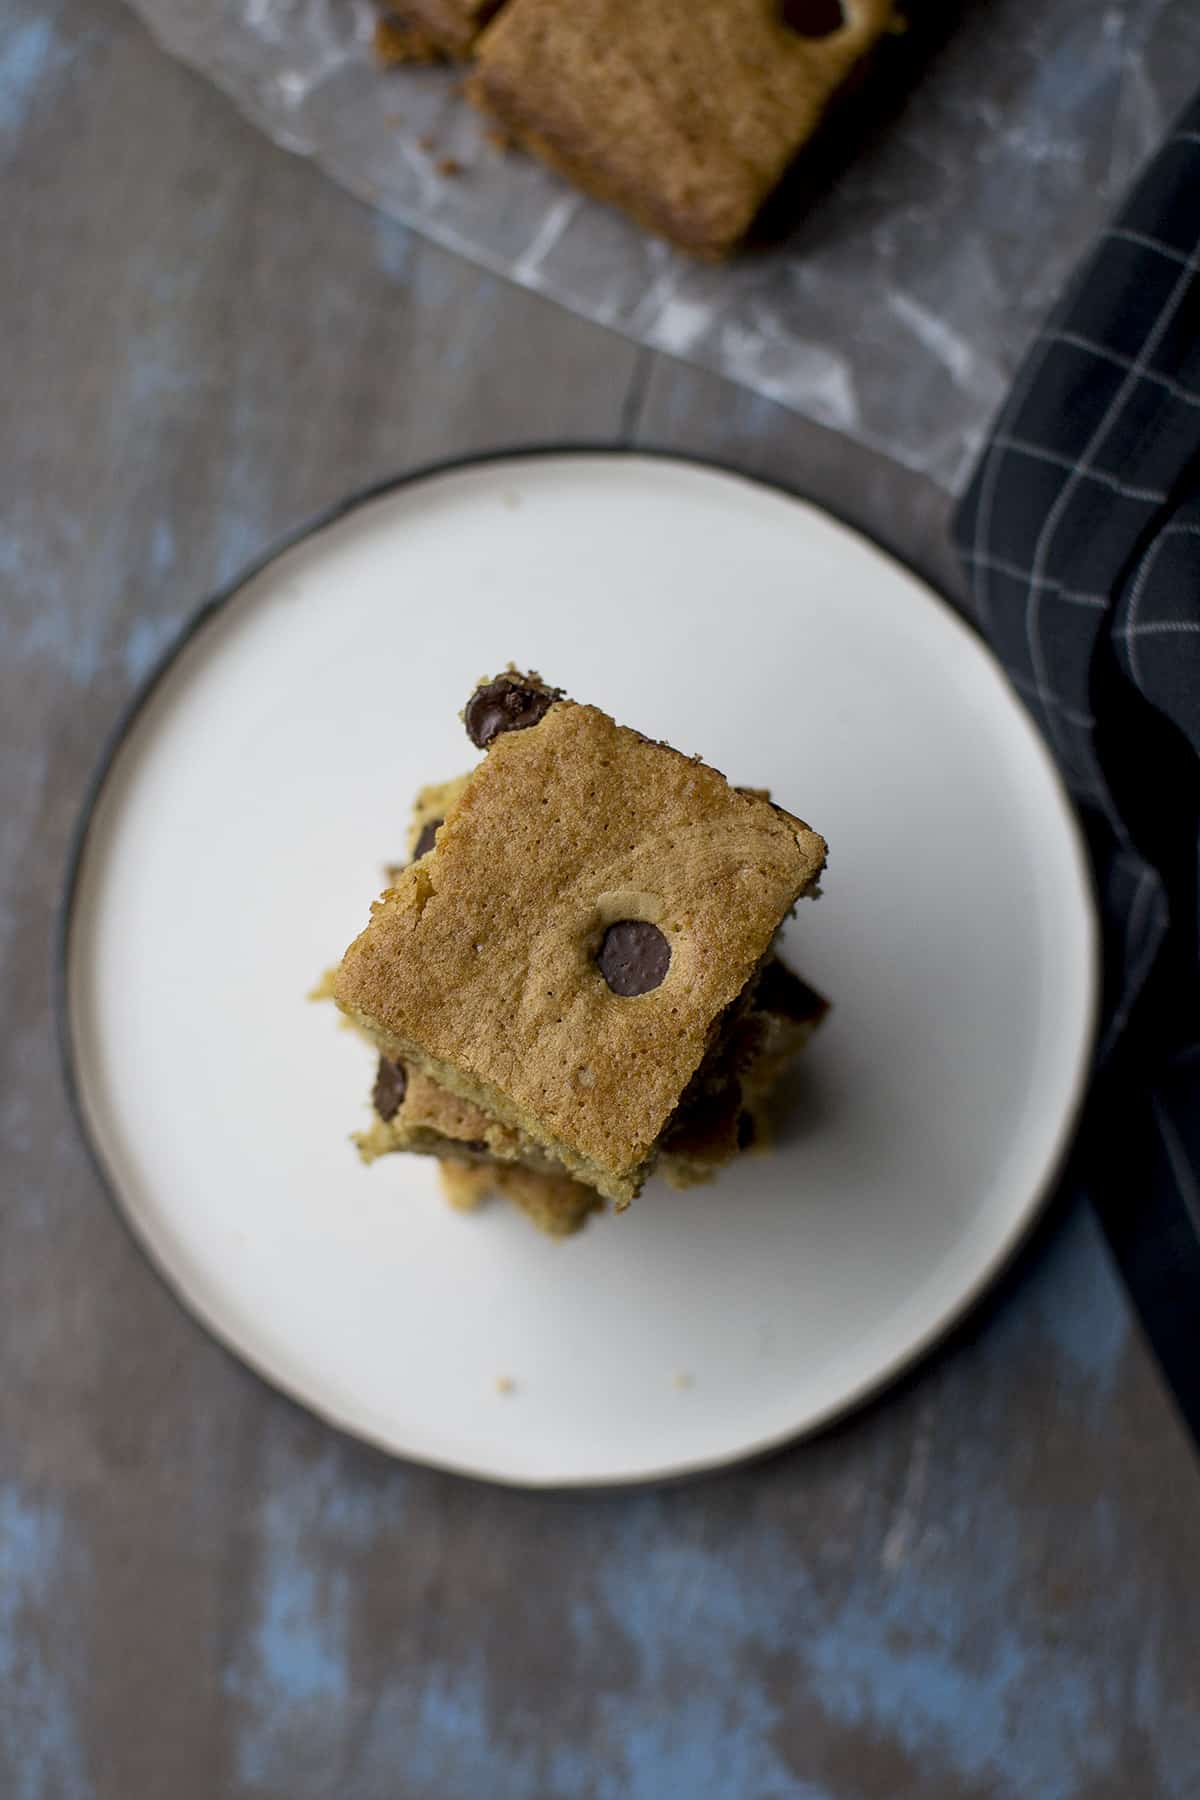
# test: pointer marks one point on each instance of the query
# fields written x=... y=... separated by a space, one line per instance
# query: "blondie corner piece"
x=564 y=954
x=685 y=113
x=725 y=1109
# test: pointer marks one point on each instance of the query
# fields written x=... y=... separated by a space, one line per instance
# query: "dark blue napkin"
x=1080 y=534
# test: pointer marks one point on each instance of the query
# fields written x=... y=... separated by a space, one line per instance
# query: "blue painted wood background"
x=987 y=1585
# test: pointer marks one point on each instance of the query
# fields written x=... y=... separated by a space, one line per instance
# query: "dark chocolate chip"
x=425 y=840
x=813 y=18
x=389 y=1089
x=634 y=957
x=746 y=1130
x=476 y=1144
x=504 y=705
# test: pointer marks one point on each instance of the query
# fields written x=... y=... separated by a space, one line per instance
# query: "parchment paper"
x=898 y=307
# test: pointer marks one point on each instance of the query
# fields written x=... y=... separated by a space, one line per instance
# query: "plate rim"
x=941 y=1326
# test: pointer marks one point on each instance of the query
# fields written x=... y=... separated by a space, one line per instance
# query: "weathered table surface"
x=988 y=1584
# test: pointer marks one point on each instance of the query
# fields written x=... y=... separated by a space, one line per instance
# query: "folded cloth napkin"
x=1080 y=534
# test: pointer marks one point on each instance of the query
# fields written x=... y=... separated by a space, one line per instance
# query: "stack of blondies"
x=573 y=983
x=686 y=113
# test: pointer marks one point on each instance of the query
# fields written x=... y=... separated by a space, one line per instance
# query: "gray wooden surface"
x=986 y=1585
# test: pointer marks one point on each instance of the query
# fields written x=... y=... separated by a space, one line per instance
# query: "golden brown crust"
x=478 y=966
x=686 y=113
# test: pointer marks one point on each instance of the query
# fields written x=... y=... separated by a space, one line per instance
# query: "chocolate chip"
x=746 y=1130
x=634 y=957
x=390 y=1085
x=477 y=1145
x=813 y=18
x=505 y=704
x=425 y=841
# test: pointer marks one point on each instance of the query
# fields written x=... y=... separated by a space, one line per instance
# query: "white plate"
x=236 y=841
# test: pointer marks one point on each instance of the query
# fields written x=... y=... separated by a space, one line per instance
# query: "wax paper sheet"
x=895 y=310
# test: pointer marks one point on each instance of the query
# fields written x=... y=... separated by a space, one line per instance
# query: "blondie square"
x=685 y=113
x=593 y=907
x=724 y=1111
